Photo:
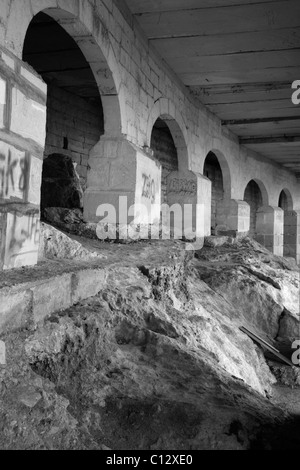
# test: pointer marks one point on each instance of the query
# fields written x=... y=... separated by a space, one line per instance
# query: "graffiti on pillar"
x=149 y=191
x=14 y=173
x=178 y=185
x=22 y=240
x=148 y=188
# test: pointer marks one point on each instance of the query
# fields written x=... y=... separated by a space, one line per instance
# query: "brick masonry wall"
x=74 y=126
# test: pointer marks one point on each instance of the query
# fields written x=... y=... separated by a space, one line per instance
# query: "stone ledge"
x=30 y=303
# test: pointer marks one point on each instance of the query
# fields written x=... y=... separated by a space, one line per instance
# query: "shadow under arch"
x=285 y=200
x=226 y=173
x=256 y=195
x=216 y=170
x=262 y=188
x=99 y=56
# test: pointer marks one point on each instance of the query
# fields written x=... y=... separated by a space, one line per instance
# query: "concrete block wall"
x=74 y=126
x=22 y=140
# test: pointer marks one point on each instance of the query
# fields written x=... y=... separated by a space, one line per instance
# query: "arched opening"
x=165 y=152
x=285 y=200
x=213 y=171
x=75 y=118
x=286 y=204
x=254 y=197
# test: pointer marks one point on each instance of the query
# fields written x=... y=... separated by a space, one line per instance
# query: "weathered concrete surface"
x=155 y=361
x=22 y=139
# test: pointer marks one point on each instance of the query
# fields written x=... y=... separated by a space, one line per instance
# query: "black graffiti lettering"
x=20 y=237
x=148 y=188
x=24 y=173
x=182 y=185
x=10 y=173
x=13 y=175
x=2 y=176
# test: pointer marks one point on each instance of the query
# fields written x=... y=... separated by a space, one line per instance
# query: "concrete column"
x=117 y=168
x=291 y=237
x=192 y=192
x=233 y=217
x=269 y=228
x=23 y=98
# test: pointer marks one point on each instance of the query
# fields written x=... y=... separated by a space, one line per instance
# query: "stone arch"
x=256 y=195
x=92 y=38
x=285 y=200
x=263 y=190
x=226 y=173
x=165 y=110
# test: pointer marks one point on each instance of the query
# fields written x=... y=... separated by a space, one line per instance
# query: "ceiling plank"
x=253 y=75
x=144 y=6
x=270 y=139
x=233 y=122
x=232 y=63
x=224 y=44
x=221 y=20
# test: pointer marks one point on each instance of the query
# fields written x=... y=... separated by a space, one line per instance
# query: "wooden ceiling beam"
x=269 y=139
x=237 y=122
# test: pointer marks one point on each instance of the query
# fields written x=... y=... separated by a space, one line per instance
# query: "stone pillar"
x=117 y=168
x=23 y=98
x=269 y=228
x=192 y=192
x=291 y=237
x=233 y=217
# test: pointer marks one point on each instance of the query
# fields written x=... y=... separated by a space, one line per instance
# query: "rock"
x=285 y=375
x=2 y=353
x=260 y=285
x=60 y=183
x=217 y=241
x=28 y=396
x=54 y=244
x=71 y=221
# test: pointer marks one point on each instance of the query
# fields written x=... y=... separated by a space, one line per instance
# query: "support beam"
x=237 y=122
x=269 y=139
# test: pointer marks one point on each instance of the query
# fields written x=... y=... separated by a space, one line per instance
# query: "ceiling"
x=239 y=57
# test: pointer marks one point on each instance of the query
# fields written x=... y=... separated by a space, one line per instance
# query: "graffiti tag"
x=148 y=188
x=182 y=185
x=14 y=170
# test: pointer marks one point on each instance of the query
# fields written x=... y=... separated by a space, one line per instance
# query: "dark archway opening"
x=75 y=120
x=165 y=152
x=253 y=197
x=286 y=204
x=212 y=170
x=283 y=201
